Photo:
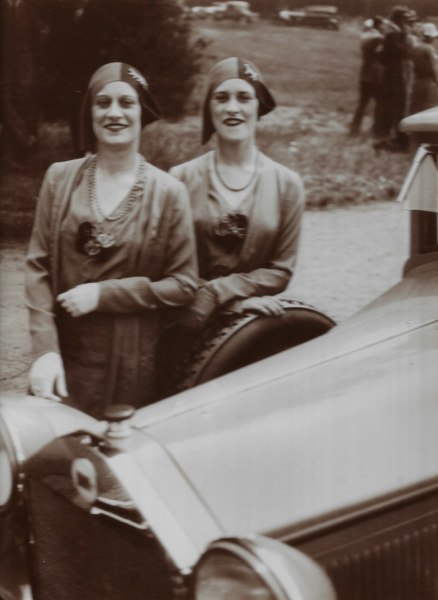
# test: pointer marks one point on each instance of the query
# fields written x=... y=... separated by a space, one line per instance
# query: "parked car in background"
x=239 y=11
x=202 y=12
x=311 y=474
x=233 y=10
x=325 y=17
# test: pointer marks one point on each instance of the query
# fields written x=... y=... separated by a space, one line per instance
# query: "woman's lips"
x=115 y=127
x=233 y=122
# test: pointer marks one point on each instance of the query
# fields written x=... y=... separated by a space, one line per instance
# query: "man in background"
x=424 y=93
x=397 y=51
x=371 y=75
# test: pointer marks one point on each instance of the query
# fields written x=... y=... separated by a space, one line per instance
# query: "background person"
x=112 y=246
x=246 y=207
x=370 y=76
x=396 y=57
x=425 y=69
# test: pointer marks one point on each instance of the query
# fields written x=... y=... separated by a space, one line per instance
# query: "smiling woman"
x=247 y=208
x=112 y=247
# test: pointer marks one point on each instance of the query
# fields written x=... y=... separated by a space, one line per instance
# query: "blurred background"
x=310 y=56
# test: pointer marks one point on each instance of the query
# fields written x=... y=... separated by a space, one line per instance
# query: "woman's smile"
x=115 y=126
x=233 y=121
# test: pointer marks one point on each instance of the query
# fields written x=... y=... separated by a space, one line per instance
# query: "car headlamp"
x=224 y=575
x=258 y=568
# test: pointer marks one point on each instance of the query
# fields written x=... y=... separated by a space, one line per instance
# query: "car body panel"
x=282 y=438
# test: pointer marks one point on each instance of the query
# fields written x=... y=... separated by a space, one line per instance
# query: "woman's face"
x=116 y=115
x=234 y=110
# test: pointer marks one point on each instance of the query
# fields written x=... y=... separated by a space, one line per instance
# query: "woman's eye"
x=102 y=102
x=127 y=102
x=221 y=98
x=245 y=97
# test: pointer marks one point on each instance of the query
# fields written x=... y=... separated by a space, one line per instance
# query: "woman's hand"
x=47 y=377
x=262 y=305
x=195 y=316
x=81 y=299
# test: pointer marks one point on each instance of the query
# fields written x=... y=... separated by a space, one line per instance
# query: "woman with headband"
x=247 y=208
x=112 y=247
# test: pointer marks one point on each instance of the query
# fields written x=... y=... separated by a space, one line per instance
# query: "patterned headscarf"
x=232 y=68
x=108 y=73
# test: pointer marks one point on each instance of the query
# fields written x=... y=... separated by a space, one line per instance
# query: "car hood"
x=339 y=421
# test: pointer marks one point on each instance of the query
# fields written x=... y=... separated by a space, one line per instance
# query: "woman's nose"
x=114 y=109
x=232 y=105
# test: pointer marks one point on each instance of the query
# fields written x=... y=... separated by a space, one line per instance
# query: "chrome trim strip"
x=353 y=514
x=106 y=513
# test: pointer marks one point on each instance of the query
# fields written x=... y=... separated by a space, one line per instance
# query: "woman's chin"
x=118 y=144
x=237 y=137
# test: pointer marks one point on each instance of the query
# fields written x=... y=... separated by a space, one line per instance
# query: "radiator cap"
x=118 y=416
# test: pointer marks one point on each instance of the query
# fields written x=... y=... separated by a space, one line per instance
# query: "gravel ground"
x=348 y=256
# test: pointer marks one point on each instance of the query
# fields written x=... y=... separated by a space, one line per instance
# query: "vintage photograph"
x=219 y=300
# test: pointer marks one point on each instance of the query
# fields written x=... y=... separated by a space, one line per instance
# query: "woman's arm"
x=38 y=292
x=273 y=278
x=46 y=377
x=260 y=283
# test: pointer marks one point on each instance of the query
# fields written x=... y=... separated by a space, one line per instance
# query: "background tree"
x=77 y=36
x=19 y=108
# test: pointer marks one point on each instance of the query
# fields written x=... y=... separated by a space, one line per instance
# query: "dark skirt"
x=109 y=359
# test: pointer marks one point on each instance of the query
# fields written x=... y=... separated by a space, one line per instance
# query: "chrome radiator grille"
x=391 y=556
x=404 y=568
x=81 y=557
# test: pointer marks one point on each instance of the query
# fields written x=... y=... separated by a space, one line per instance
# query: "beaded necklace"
x=126 y=205
x=92 y=237
x=247 y=184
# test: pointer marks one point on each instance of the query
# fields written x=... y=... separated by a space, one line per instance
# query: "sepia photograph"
x=219 y=300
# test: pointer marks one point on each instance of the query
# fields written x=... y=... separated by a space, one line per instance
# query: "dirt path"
x=348 y=256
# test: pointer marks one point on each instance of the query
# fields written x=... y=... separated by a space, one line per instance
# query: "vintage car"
x=237 y=10
x=234 y=10
x=202 y=12
x=324 y=17
x=309 y=475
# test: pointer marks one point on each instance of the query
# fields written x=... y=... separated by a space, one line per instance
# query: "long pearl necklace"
x=125 y=205
x=247 y=184
x=93 y=239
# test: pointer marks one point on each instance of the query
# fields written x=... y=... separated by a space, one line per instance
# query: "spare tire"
x=232 y=341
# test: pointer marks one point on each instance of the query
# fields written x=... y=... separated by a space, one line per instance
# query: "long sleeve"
x=178 y=285
x=275 y=277
x=38 y=289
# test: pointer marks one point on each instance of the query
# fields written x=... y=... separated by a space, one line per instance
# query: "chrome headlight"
x=258 y=568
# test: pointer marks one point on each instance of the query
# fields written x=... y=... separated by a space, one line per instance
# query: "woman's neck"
x=116 y=161
x=241 y=154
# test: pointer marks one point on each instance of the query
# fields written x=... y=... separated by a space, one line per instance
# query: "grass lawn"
x=313 y=68
x=313 y=75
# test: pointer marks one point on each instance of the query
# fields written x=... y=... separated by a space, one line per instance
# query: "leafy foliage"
x=81 y=35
